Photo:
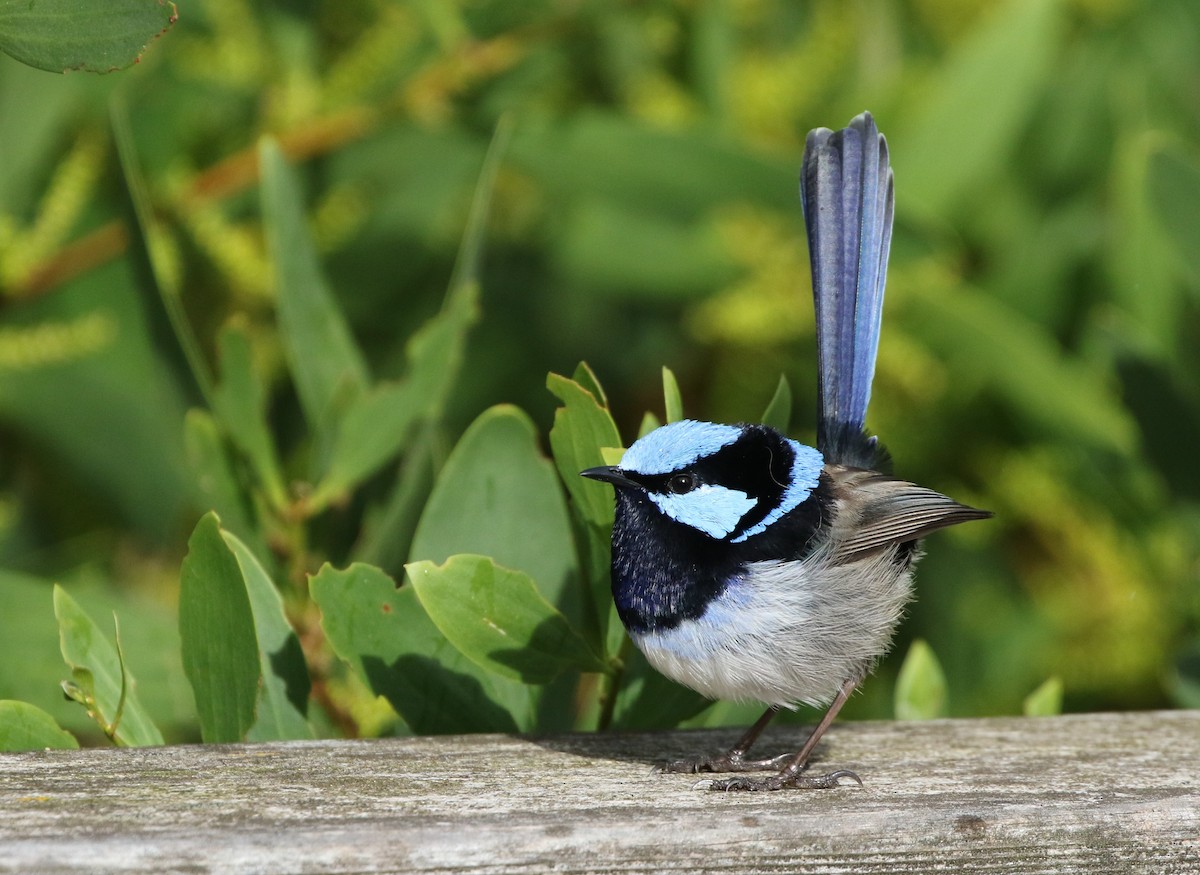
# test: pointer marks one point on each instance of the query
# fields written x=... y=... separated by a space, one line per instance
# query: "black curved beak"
x=610 y=474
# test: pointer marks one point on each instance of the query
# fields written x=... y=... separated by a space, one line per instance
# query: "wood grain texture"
x=1111 y=793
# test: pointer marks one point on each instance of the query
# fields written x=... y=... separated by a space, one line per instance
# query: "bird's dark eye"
x=681 y=483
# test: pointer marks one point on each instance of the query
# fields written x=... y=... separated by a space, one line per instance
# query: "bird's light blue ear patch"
x=677 y=445
x=714 y=510
x=806 y=474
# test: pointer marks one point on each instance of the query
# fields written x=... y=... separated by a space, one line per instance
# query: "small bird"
x=748 y=566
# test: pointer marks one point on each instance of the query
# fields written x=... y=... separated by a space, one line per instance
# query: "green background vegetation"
x=1039 y=351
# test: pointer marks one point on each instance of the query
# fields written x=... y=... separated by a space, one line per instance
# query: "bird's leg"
x=792 y=774
x=734 y=760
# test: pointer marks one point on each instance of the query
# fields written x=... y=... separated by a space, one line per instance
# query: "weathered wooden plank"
x=1115 y=793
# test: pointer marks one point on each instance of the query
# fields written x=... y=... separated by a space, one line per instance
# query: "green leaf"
x=582 y=427
x=62 y=35
x=466 y=264
x=216 y=625
x=101 y=682
x=1141 y=260
x=158 y=279
x=499 y=620
x=1183 y=676
x=648 y=424
x=27 y=727
x=376 y=426
x=921 y=685
x=985 y=342
x=97 y=404
x=384 y=634
x=647 y=700
x=1046 y=700
x=617 y=251
x=778 y=414
x=956 y=139
x=283 y=697
x=1173 y=180
x=498 y=496
x=389 y=528
x=587 y=379
x=32 y=668
x=215 y=478
x=240 y=403
x=672 y=400
x=606 y=157
x=325 y=362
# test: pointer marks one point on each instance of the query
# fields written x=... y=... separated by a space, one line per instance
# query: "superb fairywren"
x=748 y=566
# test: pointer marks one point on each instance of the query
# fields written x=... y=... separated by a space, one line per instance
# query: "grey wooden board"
x=1112 y=793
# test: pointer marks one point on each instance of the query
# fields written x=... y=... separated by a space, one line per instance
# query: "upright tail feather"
x=846 y=189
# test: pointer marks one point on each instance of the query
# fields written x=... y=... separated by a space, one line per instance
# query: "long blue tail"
x=846 y=189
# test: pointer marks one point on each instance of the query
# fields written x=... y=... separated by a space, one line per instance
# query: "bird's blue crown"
x=677 y=445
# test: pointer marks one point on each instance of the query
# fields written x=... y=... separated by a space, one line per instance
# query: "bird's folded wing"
x=887 y=511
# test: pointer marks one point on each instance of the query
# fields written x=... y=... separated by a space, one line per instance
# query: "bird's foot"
x=785 y=780
x=733 y=761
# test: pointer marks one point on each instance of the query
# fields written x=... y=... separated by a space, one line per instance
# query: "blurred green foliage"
x=1038 y=358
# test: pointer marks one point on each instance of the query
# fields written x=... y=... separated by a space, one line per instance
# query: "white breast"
x=787 y=632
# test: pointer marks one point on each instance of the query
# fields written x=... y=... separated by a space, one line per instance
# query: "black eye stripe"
x=759 y=463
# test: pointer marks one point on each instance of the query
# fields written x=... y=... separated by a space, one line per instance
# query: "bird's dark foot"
x=782 y=781
x=730 y=762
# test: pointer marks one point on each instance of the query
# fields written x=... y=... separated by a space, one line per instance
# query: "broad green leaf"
x=921 y=685
x=582 y=427
x=322 y=355
x=1173 y=180
x=1046 y=700
x=672 y=400
x=100 y=680
x=498 y=496
x=240 y=404
x=27 y=727
x=283 y=696
x=587 y=379
x=778 y=414
x=648 y=424
x=499 y=620
x=62 y=35
x=384 y=634
x=216 y=625
x=613 y=455
x=942 y=149
x=376 y=426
